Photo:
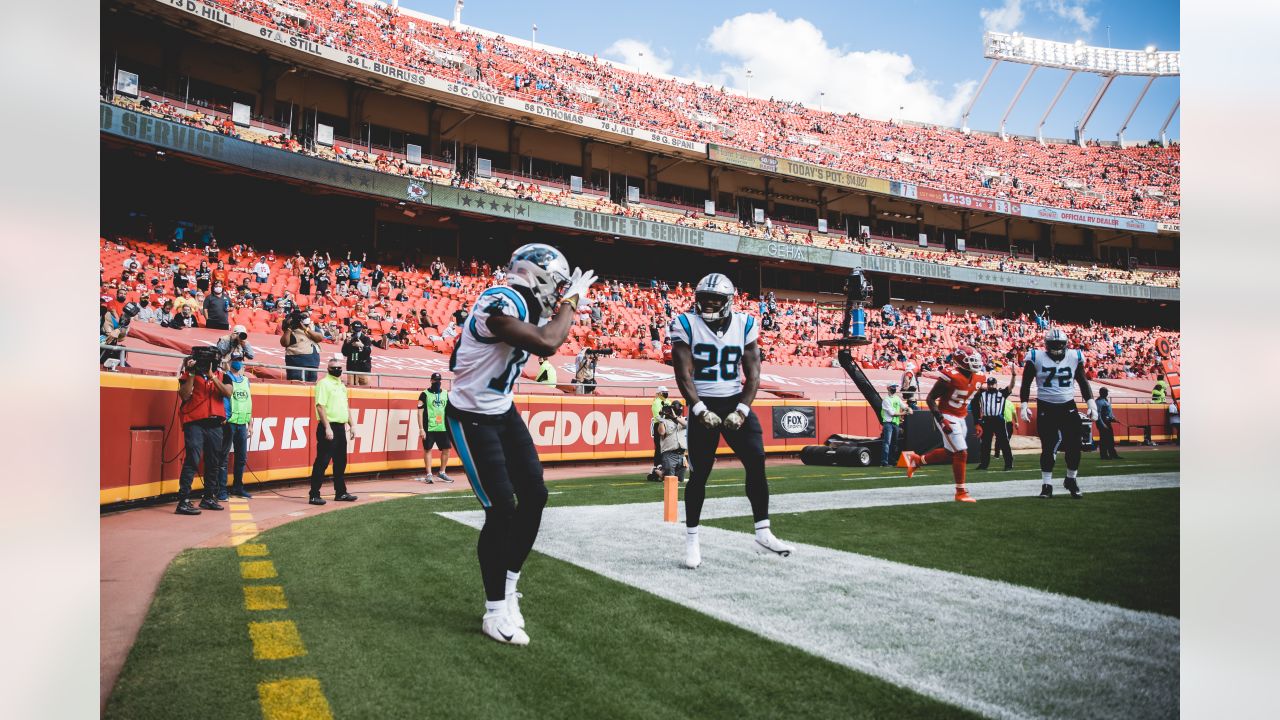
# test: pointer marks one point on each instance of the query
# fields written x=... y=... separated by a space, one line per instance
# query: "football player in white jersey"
x=1054 y=371
x=713 y=349
x=530 y=314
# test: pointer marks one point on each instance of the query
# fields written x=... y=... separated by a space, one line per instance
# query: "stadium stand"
x=410 y=308
x=559 y=194
x=1136 y=181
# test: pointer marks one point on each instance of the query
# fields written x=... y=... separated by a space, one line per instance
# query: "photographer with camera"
x=585 y=376
x=236 y=342
x=301 y=345
x=203 y=413
x=112 y=331
x=673 y=434
x=357 y=346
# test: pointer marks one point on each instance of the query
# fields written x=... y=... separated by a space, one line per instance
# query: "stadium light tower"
x=457 y=15
x=1107 y=63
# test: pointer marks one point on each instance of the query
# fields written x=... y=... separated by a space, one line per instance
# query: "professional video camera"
x=853 y=328
x=294 y=318
x=602 y=352
x=128 y=313
x=207 y=359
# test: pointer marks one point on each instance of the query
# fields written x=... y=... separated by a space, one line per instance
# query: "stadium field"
x=896 y=603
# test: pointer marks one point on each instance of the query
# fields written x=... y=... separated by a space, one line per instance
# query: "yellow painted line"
x=277 y=640
x=241 y=516
x=264 y=597
x=252 y=550
x=244 y=528
x=386 y=495
x=257 y=569
x=293 y=699
x=238 y=539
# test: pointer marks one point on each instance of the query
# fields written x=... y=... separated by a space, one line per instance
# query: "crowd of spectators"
x=560 y=195
x=1139 y=181
x=403 y=305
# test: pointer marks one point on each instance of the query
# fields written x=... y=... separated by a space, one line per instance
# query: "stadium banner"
x=1080 y=217
x=224 y=21
x=795 y=421
x=1168 y=228
x=973 y=202
x=784 y=251
x=796 y=169
x=141 y=127
x=386 y=424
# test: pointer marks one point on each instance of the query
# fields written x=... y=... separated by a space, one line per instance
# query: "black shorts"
x=498 y=456
x=437 y=438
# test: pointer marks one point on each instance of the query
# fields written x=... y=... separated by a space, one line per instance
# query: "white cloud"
x=791 y=59
x=1004 y=19
x=638 y=54
x=1074 y=12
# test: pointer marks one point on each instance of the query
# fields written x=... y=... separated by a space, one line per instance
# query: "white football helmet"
x=541 y=268
x=1055 y=343
x=967 y=358
x=712 y=286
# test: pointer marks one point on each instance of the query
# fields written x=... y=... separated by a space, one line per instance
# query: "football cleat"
x=910 y=461
x=513 y=609
x=500 y=627
x=1073 y=487
x=962 y=495
x=766 y=540
x=1046 y=491
x=692 y=552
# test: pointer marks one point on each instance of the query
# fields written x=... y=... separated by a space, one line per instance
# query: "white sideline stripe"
x=1001 y=650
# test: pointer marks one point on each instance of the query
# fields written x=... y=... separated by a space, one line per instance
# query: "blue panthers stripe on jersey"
x=688 y=330
x=515 y=297
x=750 y=321
x=521 y=309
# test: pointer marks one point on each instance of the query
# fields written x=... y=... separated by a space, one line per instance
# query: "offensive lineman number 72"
x=1063 y=375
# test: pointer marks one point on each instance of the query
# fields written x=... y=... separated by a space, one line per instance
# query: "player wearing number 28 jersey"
x=531 y=314
x=949 y=402
x=713 y=349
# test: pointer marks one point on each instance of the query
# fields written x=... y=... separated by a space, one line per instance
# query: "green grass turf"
x=388 y=601
x=1113 y=547
x=618 y=489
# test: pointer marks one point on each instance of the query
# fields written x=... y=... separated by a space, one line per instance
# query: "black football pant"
x=330 y=450
x=1056 y=421
x=747 y=443
x=502 y=465
x=993 y=431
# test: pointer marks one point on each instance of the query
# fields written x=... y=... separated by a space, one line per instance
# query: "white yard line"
x=998 y=649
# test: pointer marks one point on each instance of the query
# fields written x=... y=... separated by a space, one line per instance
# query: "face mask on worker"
x=335 y=371
x=237 y=366
x=435 y=386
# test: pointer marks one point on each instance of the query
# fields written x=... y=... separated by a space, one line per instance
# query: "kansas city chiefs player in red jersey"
x=949 y=403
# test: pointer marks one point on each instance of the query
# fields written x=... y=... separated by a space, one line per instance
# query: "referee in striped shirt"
x=991 y=402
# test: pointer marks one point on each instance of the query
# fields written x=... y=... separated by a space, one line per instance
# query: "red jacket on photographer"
x=205 y=401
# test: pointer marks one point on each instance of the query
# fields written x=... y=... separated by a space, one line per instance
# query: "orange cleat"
x=962 y=495
x=910 y=461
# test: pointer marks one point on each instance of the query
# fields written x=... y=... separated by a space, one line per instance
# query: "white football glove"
x=735 y=419
x=579 y=283
x=705 y=416
x=1092 y=412
x=1026 y=412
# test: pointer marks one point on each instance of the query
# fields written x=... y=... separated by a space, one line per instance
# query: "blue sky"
x=869 y=57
